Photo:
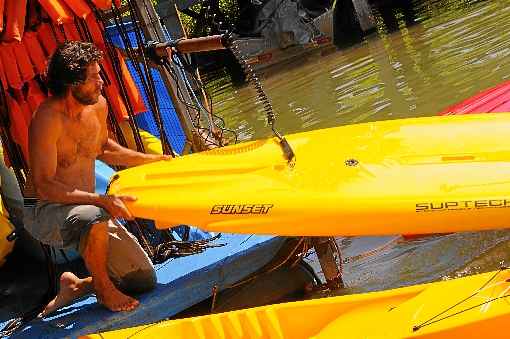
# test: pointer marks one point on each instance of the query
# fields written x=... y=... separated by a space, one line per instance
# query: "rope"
x=177 y=249
x=433 y=319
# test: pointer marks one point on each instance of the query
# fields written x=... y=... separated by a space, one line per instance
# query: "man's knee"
x=128 y=264
x=139 y=281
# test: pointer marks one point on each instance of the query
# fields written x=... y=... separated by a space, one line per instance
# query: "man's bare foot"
x=115 y=300
x=71 y=288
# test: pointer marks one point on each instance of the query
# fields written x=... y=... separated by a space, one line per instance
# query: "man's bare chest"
x=80 y=138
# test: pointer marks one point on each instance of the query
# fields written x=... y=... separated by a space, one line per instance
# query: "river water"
x=440 y=53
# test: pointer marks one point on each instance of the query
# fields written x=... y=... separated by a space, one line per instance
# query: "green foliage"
x=229 y=10
x=154 y=2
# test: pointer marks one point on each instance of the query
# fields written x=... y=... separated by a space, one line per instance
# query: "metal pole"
x=153 y=30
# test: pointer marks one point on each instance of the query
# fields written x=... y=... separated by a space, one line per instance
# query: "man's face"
x=88 y=92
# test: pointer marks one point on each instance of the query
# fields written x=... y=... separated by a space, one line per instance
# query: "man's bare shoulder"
x=46 y=117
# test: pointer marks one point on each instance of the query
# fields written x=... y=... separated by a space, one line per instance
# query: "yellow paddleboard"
x=470 y=307
x=408 y=176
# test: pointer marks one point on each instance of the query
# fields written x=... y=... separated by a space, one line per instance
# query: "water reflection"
x=420 y=60
x=450 y=50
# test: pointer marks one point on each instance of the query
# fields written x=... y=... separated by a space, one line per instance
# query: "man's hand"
x=114 y=204
x=148 y=158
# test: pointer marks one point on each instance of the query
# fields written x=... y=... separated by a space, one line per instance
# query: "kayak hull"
x=469 y=307
x=418 y=176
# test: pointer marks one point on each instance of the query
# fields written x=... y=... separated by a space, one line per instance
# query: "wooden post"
x=328 y=262
x=170 y=16
x=153 y=30
x=352 y=19
x=364 y=14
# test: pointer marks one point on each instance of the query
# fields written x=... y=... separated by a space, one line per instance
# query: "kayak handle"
x=158 y=50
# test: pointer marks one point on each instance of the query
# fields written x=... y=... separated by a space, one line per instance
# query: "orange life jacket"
x=47 y=39
x=79 y=7
x=132 y=90
x=103 y=4
x=19 y=126
x=34 y=96
x=96 y=31
x=35 y=51
x=2 y=6
x=12 y=73
x=25 y=66
x=112 y=92
x=57 y=10
x=71 y=32
x=3 y=77
x=15 y=12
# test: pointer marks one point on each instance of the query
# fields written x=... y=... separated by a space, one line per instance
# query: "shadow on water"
x=423 y=57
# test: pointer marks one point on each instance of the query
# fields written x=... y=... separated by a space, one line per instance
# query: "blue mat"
x=171 y=123
x=182 y=282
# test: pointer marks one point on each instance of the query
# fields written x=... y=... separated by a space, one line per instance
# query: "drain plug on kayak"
x=351 y=162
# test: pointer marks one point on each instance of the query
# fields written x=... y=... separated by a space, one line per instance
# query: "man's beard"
x=84 y=98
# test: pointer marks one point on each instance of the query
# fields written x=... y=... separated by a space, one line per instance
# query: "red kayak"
x=492 y=100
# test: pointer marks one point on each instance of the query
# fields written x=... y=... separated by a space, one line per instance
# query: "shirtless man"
x=67 y=133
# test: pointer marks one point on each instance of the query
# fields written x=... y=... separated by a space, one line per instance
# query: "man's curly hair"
x=68 y=65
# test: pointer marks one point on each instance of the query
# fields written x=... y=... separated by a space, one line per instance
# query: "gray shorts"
x=68 y=226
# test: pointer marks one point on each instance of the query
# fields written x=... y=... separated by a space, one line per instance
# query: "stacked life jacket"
x=30 y=31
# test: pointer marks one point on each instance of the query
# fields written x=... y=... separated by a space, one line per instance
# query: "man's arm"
x=115 y=154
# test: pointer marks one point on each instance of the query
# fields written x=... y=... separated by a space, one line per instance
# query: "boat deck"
x=182 y=282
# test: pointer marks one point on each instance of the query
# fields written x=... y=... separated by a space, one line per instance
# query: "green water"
x=441 y=53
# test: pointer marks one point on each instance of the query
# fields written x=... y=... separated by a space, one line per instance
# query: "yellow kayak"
x=151 y=144
x=6 y=229
x=472 y=307
x=407 y=176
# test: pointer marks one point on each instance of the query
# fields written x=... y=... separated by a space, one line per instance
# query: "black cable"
x=197 y=106
x=111 y=51
x=183 y=63
x=117 y=67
